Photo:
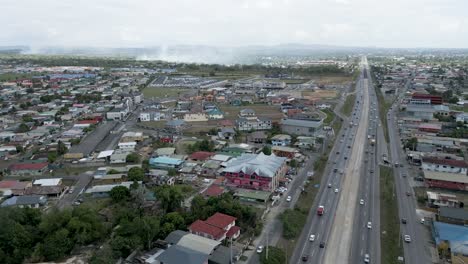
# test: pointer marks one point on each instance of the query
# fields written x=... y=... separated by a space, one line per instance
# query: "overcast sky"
x=145 y=23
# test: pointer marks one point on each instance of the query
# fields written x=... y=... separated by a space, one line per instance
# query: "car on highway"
x=312 y=238
x=407 y=238
x=337 y=153
x=71 y=189
x=408 y=194
x=366 y=258
x=403 y=220
x=329 y=185
x=288 y=199
x=403 y=175
x=369 y=225
x=349 y=146
x=371 y=171
x=305 y=258
x=422 y=221
x=259 y=249
x=336 y=190
x=361 y=202
x=345 y=158
x=322 y=244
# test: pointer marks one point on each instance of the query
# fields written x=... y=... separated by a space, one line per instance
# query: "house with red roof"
x=444 y=165
x=33 y=169
x=213 y=191
x=218 y=227
x=14 y=187
x=201 y=155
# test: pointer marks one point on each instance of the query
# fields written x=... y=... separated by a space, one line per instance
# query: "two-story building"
x=217 y=227
x=255 y=171
x=301 y=126
x=248 y=121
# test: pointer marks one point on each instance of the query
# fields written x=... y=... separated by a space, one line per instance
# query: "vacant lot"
x=332 y=79
x=262 y=110
x=159 y=92
x=321 y=94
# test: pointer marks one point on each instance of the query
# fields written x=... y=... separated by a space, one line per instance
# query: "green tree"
x=293 y=163
x=56 y=245
x=172 y=172
x=266 y=150
x=61 y=148
x=119 y=194
x=176 y=219
x=275 y=256
x=132 y=158
x=136 y=174
x=123 y=246
x=170 y=197
x=52 y=157
x=411 y=144
x=22 y=128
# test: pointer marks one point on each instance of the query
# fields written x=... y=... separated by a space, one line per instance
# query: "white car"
x=312 y=238
x=259 y=249
x=369 y=225
x=288 y=199
x=329 y=185
x=407 y=238
x=366 y=258
x=361 y=202
x=336 y=190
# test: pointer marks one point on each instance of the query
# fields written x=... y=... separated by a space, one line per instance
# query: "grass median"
x=390 y=238
x=348 y=104
x=383 y=110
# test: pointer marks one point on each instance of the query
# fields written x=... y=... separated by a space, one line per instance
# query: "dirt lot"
x=157 y=92
x=322 y=94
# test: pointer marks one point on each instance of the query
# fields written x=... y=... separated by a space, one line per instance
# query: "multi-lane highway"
x=335 y=190
x=416 y=250
x=366 y=230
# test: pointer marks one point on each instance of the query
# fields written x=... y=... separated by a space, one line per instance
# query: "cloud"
x=141 y=23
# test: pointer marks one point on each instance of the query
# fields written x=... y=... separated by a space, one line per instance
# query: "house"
x=201 y=155
x=195 y=117
x=444 y=165
x=48 y=182
x=14 y=187
x=456 y=216
x=281 y=140
x=248 y=121
x=213 y=191
x=255 y=171
x=462 y=117
x=119 y=157
x=165 y=163
x=226 y=133
x=301 y=126
x=117 y=113
x=437 y=199
x=446 y=180
x=160 y=152
x=257 y=137
x=160 y=177
x=216 y=227
x=103 y=190
x=127 y=146
x=175 y=124
x=31 y=201
x=430 y=127
x=187 y=248
x=420 y=98
x=33 y=169
x=215 y=114
x=286 y=152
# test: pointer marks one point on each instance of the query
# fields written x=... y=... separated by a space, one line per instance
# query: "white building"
x=127 y=145
x=444 y=165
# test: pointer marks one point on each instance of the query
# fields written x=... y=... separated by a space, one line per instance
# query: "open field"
x=329 y=118
x=383 y=110
x=262 y=110
x=332 y=79
x=319 y=94
x=389 y=220
x=158 y=92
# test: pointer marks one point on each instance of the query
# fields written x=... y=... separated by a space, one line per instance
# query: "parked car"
x=259 y=249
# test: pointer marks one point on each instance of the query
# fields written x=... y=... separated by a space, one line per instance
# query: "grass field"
x=333 y=79
x=348 y=104
x=6 y=77
x=383 y=110
x=157 y=92
x=389 y=220
x=330 y=116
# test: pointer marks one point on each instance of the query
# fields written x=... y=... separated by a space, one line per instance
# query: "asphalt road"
x=272 y=229
x=366 y=239
x=416 y=251
x=340 y=163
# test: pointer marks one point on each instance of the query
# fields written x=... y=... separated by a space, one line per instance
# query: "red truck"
x=320 y=210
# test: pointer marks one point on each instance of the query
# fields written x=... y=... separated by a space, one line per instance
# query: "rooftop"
x=446 y=176
x=260 y=164
x=456 y=213
x=220 y=220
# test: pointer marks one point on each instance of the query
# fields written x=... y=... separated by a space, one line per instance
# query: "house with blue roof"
x=214 y=114
x=165 y=163
x=456 y=236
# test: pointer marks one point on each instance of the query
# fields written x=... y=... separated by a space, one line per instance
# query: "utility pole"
x=266 y=245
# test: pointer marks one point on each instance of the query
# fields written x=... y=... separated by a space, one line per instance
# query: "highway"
x=366 y=239
x=415 y=251
x=343 y=158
